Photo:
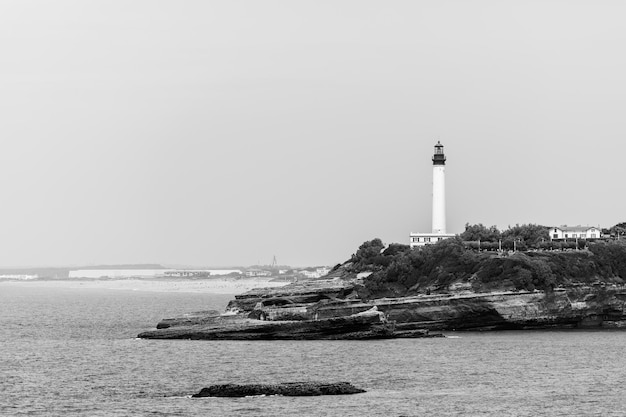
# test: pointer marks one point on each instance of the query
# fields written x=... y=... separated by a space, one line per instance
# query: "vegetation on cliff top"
x=401 y=271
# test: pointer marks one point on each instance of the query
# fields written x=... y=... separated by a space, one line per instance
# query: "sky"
x=218 y=133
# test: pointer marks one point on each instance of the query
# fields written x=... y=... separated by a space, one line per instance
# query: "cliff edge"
x=386 y=292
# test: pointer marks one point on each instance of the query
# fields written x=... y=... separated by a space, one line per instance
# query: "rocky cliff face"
x=331 y=309
x=563 y=308
x=576 y=306
x=302 y=292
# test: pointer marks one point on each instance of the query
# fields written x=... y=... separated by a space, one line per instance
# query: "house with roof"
x=574 y=232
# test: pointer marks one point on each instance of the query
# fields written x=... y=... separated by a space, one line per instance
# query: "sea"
x=74 y=352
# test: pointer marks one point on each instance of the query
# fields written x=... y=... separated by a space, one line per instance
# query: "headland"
x=394 y=291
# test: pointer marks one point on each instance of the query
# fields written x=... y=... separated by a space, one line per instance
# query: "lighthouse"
x=439 y=190
x=439 y=203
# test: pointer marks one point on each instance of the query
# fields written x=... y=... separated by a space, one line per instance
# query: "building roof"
x=575 y=228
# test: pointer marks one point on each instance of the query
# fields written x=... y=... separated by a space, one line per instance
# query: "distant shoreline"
x=206 y=285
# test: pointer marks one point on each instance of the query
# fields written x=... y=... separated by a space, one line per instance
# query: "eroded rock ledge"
x=331 y=309
x=290 y=389
x=370 y=324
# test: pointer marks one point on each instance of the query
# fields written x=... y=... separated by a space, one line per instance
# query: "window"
x=566 y=236
x=555 y=236
x=593 y=235
x=427 y=239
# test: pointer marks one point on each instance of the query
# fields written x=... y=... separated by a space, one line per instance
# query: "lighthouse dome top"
x=439 y=158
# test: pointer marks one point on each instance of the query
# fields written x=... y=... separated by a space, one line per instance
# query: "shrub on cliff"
x=526 y=235
x=373 y=256
x=478 y=232
x=618 y=230
x=611 y=258
x=435 y=267
x=368 y=255
x=531 y=234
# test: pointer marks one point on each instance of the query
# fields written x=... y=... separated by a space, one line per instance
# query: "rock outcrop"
x=290 y=389
x=298 y=293
x=367 y=325
x=599 y=305
x=332 y=309
x=189 y=319
x=562 y=308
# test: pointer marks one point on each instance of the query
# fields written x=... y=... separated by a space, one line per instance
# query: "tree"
x=523 y=279
x=395 y=248
x=531 y=234
x=479 y=232
x=399 y=271
x=508 y=244
x=489 y=245
x=368 y=254
x=618 y=230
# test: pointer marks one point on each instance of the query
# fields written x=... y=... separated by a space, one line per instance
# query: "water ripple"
x=74 y=352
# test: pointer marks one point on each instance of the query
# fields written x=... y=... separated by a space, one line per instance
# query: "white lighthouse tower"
x=439 y=203
x=439 y=190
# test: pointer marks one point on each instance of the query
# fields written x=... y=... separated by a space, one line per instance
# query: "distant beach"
x=210 y=286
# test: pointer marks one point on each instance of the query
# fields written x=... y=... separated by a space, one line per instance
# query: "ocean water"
x=74 y=352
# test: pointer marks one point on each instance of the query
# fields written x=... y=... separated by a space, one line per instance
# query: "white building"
x=22 y=277
x=257 y=273
x=439 y=204
x=200 y=272
x=148 y=273
x=574 y=232
x=317 y=273
x=117 y=273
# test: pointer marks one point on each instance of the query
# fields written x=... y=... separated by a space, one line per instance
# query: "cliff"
x=600 y=305
x=385 y=292
x=574 y=307
x=311 y=310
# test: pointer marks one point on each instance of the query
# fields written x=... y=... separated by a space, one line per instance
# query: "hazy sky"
x=227 y=132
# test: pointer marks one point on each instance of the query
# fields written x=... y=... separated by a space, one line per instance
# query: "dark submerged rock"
x=289 y=389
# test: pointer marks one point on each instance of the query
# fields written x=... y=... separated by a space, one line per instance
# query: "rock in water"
x=290 y=389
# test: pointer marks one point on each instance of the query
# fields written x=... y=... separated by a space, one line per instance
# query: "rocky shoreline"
x=331 y=309
x=370 y=324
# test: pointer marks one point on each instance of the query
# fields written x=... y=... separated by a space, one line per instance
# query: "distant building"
x=575 y=232
x=323 y=271
x=149 y=273
x=421 y=239
x=315 y=273
x=200 y=273
x=439 y=204
x=223 y=271
x=18 y=276
x=117 y=273
x=188 y=273
x=257 y=273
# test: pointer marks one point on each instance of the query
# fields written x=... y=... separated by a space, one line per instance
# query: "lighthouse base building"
x=439 y=203
x=421 y=239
